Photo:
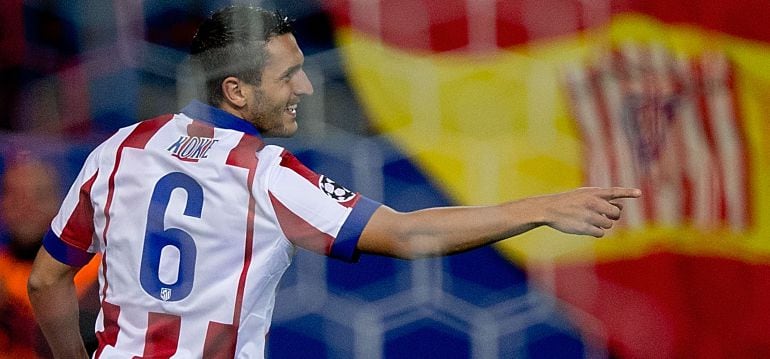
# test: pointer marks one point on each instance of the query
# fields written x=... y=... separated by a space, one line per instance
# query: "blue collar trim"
x=218 y=118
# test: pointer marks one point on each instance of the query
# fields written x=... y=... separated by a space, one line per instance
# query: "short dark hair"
x=232 y=43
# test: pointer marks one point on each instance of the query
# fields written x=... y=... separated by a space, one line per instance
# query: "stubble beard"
x=270 y=121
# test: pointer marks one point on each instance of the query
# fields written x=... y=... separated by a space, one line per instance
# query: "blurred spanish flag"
x=499 y=100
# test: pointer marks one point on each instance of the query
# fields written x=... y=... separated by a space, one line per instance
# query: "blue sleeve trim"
x=344 y=246
x=65 y=253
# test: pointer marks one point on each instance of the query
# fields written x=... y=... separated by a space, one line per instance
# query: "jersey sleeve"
x=315 y=212
x=71 y=239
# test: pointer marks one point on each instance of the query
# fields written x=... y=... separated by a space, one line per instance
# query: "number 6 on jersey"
x=156 y=238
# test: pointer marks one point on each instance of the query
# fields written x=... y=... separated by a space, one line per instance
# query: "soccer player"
x=197 y=218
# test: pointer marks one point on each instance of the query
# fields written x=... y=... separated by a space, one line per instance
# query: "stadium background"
x=424 y=103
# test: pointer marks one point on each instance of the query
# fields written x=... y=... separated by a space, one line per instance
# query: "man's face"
x=272 y=106
x=29 y=202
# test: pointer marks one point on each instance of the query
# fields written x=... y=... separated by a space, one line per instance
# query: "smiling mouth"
x=292 y=109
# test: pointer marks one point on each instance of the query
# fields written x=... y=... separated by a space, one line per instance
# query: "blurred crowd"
x=30 y=194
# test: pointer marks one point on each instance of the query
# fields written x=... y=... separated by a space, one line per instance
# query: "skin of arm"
x=54 y=301
x=448 y=230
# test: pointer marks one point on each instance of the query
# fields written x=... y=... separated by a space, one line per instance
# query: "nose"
x=302 y=85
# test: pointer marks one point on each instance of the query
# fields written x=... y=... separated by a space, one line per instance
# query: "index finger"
x=620 y=192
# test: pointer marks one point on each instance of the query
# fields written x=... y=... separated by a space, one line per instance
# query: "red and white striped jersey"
x=197 y=220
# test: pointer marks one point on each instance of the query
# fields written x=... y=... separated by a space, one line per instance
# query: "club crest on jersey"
x=334 y=190
x=165 y=294
x=191 y=148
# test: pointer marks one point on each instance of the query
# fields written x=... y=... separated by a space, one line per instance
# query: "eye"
x=289 y=75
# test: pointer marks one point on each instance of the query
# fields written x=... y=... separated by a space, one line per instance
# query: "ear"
x=233 y=92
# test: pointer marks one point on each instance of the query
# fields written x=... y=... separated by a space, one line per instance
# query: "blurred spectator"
x=29 y=200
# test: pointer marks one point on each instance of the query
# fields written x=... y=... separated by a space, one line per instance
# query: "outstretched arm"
x=446 y=230
x=54 y=300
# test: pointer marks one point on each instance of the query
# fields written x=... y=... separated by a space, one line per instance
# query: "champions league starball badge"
x=334 y=190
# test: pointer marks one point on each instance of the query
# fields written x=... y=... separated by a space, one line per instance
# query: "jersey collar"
x=218 y=118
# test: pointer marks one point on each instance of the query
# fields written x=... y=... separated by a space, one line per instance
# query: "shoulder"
x=271 y=154
x=128 y=136
x=281 y=159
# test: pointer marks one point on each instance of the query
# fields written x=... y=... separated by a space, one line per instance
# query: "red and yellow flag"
x=499 y=100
